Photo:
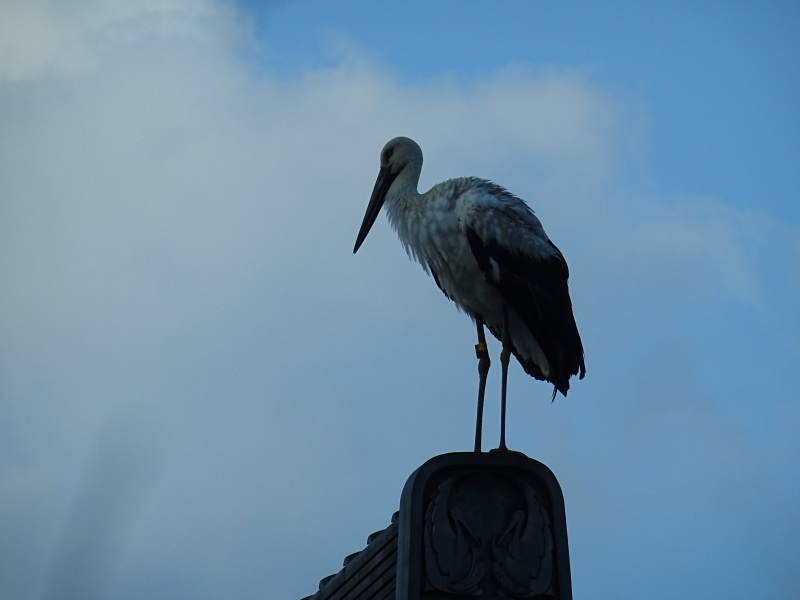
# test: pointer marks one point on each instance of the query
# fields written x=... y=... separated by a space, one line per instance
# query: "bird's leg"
x=483 y=370
x=505 y=356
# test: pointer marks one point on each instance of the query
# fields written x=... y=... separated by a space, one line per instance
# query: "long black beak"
x=382 y=185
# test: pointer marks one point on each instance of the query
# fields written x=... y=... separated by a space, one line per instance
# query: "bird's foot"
x=502 y=448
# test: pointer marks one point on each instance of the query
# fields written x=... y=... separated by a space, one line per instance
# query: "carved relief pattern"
x=488 y=535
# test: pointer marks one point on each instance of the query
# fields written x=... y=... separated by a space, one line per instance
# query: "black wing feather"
x=439 y=285
x=537 y=290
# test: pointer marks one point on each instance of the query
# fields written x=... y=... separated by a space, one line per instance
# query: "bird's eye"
x=388 y=154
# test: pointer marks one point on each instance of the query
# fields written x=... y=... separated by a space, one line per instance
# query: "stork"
x=488 y=253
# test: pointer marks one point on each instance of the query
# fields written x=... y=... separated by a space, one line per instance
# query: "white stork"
x=489 y=254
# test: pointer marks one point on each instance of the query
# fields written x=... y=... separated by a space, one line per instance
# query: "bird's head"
x=400 y=155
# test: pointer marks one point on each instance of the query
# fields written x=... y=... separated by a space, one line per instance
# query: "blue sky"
x=204 y=394
x=700 y=66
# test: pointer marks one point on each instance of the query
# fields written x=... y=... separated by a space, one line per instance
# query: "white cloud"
x=42 y=36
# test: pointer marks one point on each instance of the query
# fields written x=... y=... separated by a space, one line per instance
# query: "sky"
x=204 y=394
